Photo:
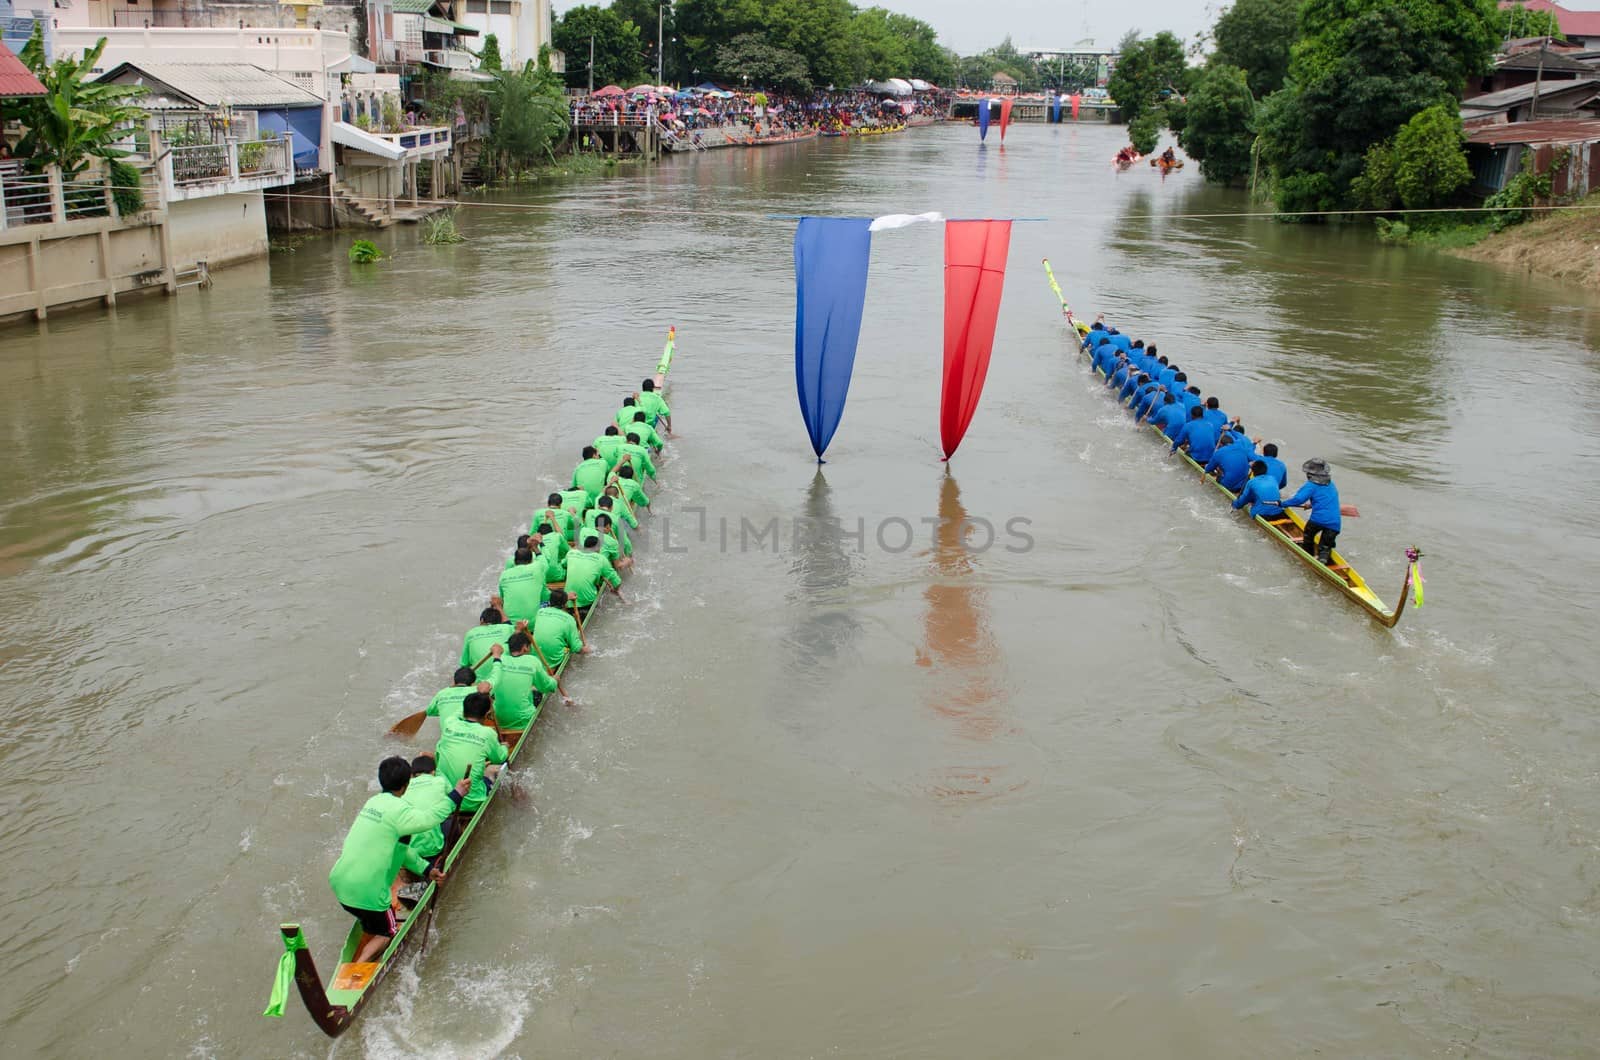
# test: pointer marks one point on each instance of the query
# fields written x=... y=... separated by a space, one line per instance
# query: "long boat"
x=784 y=138
x=334 y=1005
x=1287 y=529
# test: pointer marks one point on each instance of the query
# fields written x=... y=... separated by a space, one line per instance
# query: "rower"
x=625 y=414
x=1131 y=387
x=587 y=567
x=428 y=791
x=638 y=455
x=1214 y=414
x=1229 y=464
x=651 y=401
x=553 y=547
x=522 y=542
x=610 y=547
x=556 y=631
x=1322 y=497
x=1260 y=493
x=1197 y=436
x=1169 y=377
x=1104 y=351
x=556 y=514
x=623 y=508
x=609 y=445
x=590 y=476
x=492 y=629
x=1275 y=467
x=470 y=752
x=1146 y=400
x=522 y=587
x=575 y=501
x=522 y=674
x=1170 y=417
x=1119 y=375
x=647 y=434
x=446 y=703
x=632 y=489
x=374 y=850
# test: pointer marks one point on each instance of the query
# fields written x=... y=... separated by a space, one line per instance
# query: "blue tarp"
x=830 y=272
x=983 y=119
x=305 y=123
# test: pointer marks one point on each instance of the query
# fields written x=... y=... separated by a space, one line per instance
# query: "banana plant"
x=77 y=119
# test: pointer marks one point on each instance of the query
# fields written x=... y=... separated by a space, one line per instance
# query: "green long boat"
x=334 y=1005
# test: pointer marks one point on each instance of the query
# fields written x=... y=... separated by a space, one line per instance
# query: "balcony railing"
x=201 y=164
x=46 y=197
x=416 y=139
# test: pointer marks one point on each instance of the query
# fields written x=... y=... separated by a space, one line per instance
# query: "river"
x=1128 y=782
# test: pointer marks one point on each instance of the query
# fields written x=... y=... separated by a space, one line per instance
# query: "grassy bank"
x=1564 y=245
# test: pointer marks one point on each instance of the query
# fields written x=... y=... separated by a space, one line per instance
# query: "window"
x=500 y=7
x=477 y=7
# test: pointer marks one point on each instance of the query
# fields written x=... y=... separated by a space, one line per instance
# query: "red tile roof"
x=15 y=79
x=1572 y=23
x=1555 y=131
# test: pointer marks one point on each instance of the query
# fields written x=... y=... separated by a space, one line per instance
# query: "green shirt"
x=640 y=459
x=647 y=434
x=584 y=571
x=620 y=531
x=480 y=638
x=653 y=403
x=633 y=491
x=523 y=588
x=446 y=703
x=429 y=791
x=373 y=854
x=519 y=678
x=556 y=633
x=559 y=518
x=623 y=512
x=553 y=550
x=625 y=416
x=465 y=747
x=609 y=444
x=575 y=501
x=590 y=477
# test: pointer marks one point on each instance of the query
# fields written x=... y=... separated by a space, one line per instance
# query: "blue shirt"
x=1169 y=418
x=1202 y=439
x=1324 y=503
x=1128 y=388
x=1277 y=471
x=1120 y=376
x=1217 y=418
x=1146 y=399
x=1234 y=461
x=1190 y=401
x=1167 y=377
x=1122 y=341
x=1101 y=352
x=1261 y=494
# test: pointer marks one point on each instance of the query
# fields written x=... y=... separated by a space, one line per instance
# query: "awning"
x=434 y=24
x=348 y=135
x=354 y=64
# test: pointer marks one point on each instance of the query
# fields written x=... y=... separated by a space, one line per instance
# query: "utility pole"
x=591 y=64
x=1538 y=75
x=660 y=15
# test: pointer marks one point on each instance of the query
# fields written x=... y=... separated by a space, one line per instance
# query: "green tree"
x=1148 y=72
x=747 y=59
x=1255 y=35
x=1516 y=22
x=1218 y=124
x=650 y=17
x=1144 y=132
x=1374 y=189
x=77 y=118
x=1430 y=165
x=527 y=117
x=618 y=52
x=883 y=52
x=489 y=59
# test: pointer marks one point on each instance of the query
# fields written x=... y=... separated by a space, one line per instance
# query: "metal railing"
x=46 y=197
x=198 y=164
x=622 y=119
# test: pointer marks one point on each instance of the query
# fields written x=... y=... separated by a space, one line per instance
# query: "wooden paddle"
x=411 y=724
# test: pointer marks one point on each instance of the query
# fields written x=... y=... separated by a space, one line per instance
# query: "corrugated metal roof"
x=1508 y=97
x=1536 y=132
x=213 y=84
x=412 y=7
x=16 y=80
x=1551 y=61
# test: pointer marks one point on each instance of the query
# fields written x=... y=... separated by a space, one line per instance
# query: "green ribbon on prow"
x=285 y=977
x=666 y=355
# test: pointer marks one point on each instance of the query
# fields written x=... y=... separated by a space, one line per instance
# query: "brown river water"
x=1126 y=782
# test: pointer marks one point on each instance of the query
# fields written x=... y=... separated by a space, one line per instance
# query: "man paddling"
x=1260 y=493
x=638 y=456
x=1197 y=436
x=375 y=849
x=651 y=401
x=1170 y=418
x=522 y=680
x=590 y=476
x=523 y=588
x=610 y=547
x=632 y=489
x=446 y=703
x=470 y=753
x=609 y=445
x=427 y=791
x=1322 y=497
x=556 y=631
x=1275 y=467
x=492 y=628
x=1229 y=464
x=586 y=568
x=647 y=434
x=556 y=514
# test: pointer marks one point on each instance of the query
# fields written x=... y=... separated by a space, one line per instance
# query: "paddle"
x=411 y=724
x=527 y=627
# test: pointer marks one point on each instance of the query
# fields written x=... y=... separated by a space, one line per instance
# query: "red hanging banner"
x=974 y=273
x=1005 y=116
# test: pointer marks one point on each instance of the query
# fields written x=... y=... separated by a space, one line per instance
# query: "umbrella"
x=702 y=110
x=642 y=90
x=609 y=90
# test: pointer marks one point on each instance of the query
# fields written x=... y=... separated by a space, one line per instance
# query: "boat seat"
x=354 y=976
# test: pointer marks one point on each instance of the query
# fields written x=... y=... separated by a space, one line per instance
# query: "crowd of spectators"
x=747 y=114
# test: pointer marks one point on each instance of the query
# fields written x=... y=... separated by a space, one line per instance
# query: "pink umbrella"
x=609 y=90
x=642 y=90
x=702 y=110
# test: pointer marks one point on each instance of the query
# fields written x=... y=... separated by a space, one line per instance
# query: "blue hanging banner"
x=1055 y=107
x=983 y=120
x=830 y=274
